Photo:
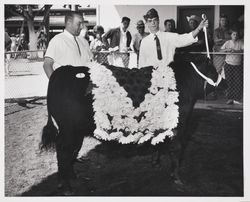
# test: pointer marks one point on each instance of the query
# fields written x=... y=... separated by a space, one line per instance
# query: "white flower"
x=160 y=137
x=100 y=134
x=126 y=140
x=116 y=135
x=145 y=138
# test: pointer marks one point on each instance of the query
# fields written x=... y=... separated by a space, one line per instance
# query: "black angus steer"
x=69 y=102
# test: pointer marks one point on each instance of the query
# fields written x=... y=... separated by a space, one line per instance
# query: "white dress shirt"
x=64 y=50
x=123 y=40
x=168 y=41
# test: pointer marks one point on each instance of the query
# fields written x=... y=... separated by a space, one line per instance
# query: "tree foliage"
x=28 y=13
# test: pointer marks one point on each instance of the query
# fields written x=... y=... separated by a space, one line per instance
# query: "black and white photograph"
x=125 y=99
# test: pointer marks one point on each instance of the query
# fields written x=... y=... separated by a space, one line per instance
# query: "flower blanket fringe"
x=118 y=118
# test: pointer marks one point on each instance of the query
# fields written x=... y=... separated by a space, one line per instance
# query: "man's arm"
x=182 y=40
x=48 y=66
x=105 y=38
x=204 y=23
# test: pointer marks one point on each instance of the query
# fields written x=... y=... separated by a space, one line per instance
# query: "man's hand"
x=204 y=23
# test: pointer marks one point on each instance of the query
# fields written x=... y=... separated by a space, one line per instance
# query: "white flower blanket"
x=134 y=105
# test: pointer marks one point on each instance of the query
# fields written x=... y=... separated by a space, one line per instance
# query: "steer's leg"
x=175 y=150
x=156 y=162
x=65 y=150
x=179 y=141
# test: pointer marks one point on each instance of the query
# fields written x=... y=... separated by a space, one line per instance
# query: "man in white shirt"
x=159 y=47
x=68 y=47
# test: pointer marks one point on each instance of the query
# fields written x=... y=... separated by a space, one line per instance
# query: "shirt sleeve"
x=52 y=50
x=182 y=40
x=105 y=38
x=225 y=45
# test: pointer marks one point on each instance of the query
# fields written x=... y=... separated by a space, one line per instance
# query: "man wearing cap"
x=139 y=36
x=120 y=37
x=159 y=47
x=68 y=47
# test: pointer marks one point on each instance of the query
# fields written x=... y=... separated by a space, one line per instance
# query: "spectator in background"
x=90 y=36
x=139 y=36
x=7 y=45
x=98 y=29
x=200 y=45
x=23 y=44
x=97 y=44
x=233 y=67
x=120 y=37
x=13 y=42
x=42 y=42
x=7 y=41
x=221 y=34
x=169 y=25
x=240 y=24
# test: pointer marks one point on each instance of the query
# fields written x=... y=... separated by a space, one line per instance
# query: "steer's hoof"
x=177 y=179
x=68 y=193
x=178 y=182
x=156 y=163
x=60 y=185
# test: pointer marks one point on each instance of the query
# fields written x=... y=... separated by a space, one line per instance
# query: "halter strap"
x=210 y=81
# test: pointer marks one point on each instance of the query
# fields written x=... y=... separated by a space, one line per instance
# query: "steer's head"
x=214 y=79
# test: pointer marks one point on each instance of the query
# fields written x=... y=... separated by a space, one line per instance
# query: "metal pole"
x=98 y=15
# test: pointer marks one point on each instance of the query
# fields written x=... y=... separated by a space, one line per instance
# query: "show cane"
x=204 y=17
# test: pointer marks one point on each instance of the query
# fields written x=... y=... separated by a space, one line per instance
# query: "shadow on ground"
x=212 y=164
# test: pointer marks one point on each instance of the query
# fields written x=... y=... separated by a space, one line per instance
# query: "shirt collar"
x=157 y=33
x=68 y=34
x=122 y=30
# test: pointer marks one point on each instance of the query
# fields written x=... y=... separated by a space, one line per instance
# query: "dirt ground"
x=212 y=164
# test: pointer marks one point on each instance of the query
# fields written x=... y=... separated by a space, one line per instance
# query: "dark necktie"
x=77 y=45
x=158 y=47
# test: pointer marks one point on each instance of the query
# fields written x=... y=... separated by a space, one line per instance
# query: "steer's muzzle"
x=222 y=85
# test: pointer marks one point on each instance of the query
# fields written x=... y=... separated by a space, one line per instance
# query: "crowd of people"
x=70 y=47
x=225 y=38
x=19 y=42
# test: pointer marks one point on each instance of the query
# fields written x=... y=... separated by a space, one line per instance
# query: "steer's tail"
x=49 y=135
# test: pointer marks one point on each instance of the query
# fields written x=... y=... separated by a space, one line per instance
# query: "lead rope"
x=210 y=81
x=204 y=17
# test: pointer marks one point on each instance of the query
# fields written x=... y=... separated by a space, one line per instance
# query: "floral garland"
x=115 y=114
